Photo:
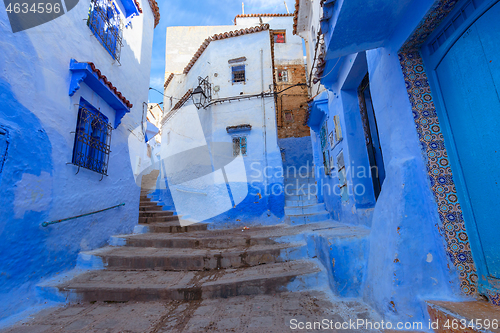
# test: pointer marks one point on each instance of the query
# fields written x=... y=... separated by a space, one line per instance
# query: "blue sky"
x=200 y=12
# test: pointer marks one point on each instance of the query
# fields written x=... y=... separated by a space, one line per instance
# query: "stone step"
x=160 y=213
x=289 y=174
x=140 y=258
x=174 y=227
x=124 y=286
x=300 y=203
x=299 y=182
x=301 y=190
x=223 y=239
x=154 y=208
x=301 y=197
x=300 y=210
x=470 y=312
x=308 y=218
x=148 y=204
x=149 y=220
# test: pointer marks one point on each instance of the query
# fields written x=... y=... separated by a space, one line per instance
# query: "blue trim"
x=130 y=8
x=82 y=72
x=433 y=59
x=318 y=110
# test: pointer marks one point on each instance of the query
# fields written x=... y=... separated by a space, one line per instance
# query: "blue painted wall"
x=404 y=253
x=29 y=153
x=297 y=152
x=36 y=182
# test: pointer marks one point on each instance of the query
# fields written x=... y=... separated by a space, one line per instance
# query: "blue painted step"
x=307 y=218
x=310 y=209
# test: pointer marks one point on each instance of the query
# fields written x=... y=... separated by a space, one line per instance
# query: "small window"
x=240 y=146
x=282 y=75
x=92 y=139
x=105 y=23
x=289 y=116
x=238 y=73
x=280 y=37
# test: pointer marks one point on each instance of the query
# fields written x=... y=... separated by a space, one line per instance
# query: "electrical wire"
x=163 y=94
x=318 y=40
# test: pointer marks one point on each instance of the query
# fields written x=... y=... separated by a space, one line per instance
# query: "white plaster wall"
x=183 y=42
x=310 y=13
x=290 y=52
x=259 y=113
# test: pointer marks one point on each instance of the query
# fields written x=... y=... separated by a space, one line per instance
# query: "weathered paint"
x=37 y=184
x=406 y=254
x=255 y=181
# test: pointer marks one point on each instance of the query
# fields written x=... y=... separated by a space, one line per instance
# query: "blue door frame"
x=434 y=51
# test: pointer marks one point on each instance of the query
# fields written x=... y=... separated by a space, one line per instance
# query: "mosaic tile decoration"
x=433 y=148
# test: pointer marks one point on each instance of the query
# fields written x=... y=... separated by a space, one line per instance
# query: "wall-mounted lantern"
x=202 y=95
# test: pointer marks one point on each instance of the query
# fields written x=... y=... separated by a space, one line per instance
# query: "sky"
x=198 y=13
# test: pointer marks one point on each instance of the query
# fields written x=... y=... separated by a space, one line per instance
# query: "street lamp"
x=199 y=97
x=202 y=95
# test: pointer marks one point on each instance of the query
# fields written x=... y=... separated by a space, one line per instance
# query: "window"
x=240 y=146
x=4 y=145
x=279 y=37
x=282 y=75
x=92 y=139
x=288 y=116
x=105 y=23
x=238 y=73
x=338 y=129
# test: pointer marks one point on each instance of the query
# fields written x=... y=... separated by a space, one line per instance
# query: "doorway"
x=372 y=141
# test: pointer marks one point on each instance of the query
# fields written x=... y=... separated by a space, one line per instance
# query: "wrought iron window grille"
x=240 y=146
x=238 y=73
x=92 y=140
x=105 y=23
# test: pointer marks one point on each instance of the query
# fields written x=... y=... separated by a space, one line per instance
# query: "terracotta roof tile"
x=296 y=16
x=110 y=85
x=260 y=15
x=138 y=6
x=220 y=36
x=170 y=78
x=183 y=100
x=156 y=11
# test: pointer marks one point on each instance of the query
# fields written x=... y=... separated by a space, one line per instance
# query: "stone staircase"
x=301 y=200
x=170 y=262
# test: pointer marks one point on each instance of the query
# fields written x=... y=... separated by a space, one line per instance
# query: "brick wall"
x=291 y=105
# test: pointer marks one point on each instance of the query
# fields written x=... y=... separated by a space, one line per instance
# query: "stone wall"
x=291 y=105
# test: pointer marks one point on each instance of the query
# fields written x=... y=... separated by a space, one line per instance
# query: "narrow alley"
x=256 y=167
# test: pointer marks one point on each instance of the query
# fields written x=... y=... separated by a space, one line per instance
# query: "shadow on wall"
x=26 y=192
x=296 y=151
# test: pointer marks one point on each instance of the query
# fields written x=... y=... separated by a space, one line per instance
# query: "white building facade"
x=233 y=136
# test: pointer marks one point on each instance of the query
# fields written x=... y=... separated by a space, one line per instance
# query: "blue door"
x=469 y=80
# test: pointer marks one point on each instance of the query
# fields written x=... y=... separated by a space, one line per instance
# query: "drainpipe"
x=264 y=130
